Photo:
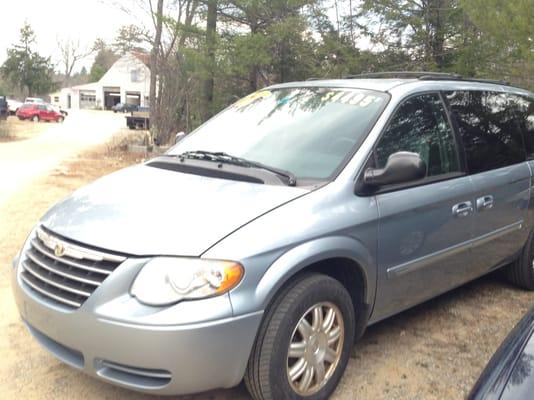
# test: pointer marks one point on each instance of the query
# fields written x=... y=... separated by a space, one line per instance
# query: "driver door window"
x=420 y=126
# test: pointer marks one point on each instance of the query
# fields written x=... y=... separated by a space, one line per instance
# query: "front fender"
x=257 y=295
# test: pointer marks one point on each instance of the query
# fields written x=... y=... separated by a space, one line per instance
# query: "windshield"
x=306 y=131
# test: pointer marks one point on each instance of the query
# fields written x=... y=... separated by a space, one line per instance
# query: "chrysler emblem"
x=59 y=250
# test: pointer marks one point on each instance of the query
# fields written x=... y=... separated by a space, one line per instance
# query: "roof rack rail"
x=404 y=74
x=494 y=81
x=424 y=76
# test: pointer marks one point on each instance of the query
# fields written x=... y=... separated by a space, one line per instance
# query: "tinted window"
x=489 y=129
x=420 y=125
x=523 y=107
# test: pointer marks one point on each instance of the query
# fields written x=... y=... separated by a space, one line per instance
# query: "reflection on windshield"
x=307 y=131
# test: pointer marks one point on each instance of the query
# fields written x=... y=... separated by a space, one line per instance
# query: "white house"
x=127 y=81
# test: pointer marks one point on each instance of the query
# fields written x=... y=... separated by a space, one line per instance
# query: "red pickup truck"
x=39 y=112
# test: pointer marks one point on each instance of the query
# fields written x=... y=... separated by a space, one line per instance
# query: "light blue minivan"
x=263 y=244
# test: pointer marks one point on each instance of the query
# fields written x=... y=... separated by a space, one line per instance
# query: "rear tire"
x=318 y=358
x=521 y=272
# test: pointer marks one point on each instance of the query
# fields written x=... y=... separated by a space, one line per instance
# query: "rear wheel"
x=304 y=342
x=521 y=272
x=35 y=118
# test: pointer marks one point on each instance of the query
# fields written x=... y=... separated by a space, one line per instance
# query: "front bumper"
x=187 y=348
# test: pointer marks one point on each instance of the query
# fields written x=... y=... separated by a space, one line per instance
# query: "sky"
x=82 y=20
x=78 y=20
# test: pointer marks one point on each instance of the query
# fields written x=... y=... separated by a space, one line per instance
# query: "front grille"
x=64 y=272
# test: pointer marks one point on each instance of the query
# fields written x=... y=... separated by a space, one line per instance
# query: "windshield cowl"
x=216 y=169
x=225 y=158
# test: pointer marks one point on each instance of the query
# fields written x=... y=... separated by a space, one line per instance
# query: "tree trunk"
x=283 y=62
x=154 y=63
x=437 y=36
x=254 y=69
x=211 y=39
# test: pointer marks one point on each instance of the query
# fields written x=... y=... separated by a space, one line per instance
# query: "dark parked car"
x=125 y=107
x=4 y=111
x=140 y=119
x=510 y=372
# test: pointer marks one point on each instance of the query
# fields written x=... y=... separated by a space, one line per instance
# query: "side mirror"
x=179 y=136
x=401 y=167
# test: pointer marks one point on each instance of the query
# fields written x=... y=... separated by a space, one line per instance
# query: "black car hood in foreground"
x=510 y=373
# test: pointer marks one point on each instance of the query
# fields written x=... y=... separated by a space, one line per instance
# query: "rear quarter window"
x=523 y=108
x=489 y=129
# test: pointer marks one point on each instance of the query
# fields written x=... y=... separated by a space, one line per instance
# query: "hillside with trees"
x=205 y=54
x=208 y=53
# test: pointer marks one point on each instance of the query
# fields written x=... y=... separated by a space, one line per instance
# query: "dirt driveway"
x=44 y=145
x=433 y=351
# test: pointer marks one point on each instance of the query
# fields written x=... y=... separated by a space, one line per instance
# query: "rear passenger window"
x=420 y=126
x=489 y=129
x=523 y=108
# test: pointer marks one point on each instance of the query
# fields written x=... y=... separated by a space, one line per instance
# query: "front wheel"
x=304 y=343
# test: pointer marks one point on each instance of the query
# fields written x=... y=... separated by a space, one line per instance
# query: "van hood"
x=145 y=211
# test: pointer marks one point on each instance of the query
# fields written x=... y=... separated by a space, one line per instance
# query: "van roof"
x=386 y=82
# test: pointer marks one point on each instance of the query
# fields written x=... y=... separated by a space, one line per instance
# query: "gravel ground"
x=36 y=148
x=433 y=351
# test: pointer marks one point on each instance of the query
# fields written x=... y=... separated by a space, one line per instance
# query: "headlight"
x=167 y=280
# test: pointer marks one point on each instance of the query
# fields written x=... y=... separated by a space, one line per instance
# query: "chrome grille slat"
x=47 y=253
x=65 y=272
x=48 y=294
x=76 y=251
x=57 y=271
x=53 y=282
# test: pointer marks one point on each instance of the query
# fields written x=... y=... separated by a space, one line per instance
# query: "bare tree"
x=211 y=39
x=71 y=53
x=169 y=85
x=157 y=18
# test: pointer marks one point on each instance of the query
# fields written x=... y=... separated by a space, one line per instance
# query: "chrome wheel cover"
x=315 y=348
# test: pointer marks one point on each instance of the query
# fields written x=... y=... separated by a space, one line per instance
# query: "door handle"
x=484 y=203
x=462 y=209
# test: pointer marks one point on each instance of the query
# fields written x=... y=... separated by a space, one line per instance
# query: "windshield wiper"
x=222 y=157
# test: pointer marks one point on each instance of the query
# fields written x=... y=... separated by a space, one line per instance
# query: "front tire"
x=304 y=342
x=521 y=272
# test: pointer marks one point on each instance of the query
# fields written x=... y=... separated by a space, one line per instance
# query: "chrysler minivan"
x=262 y=244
